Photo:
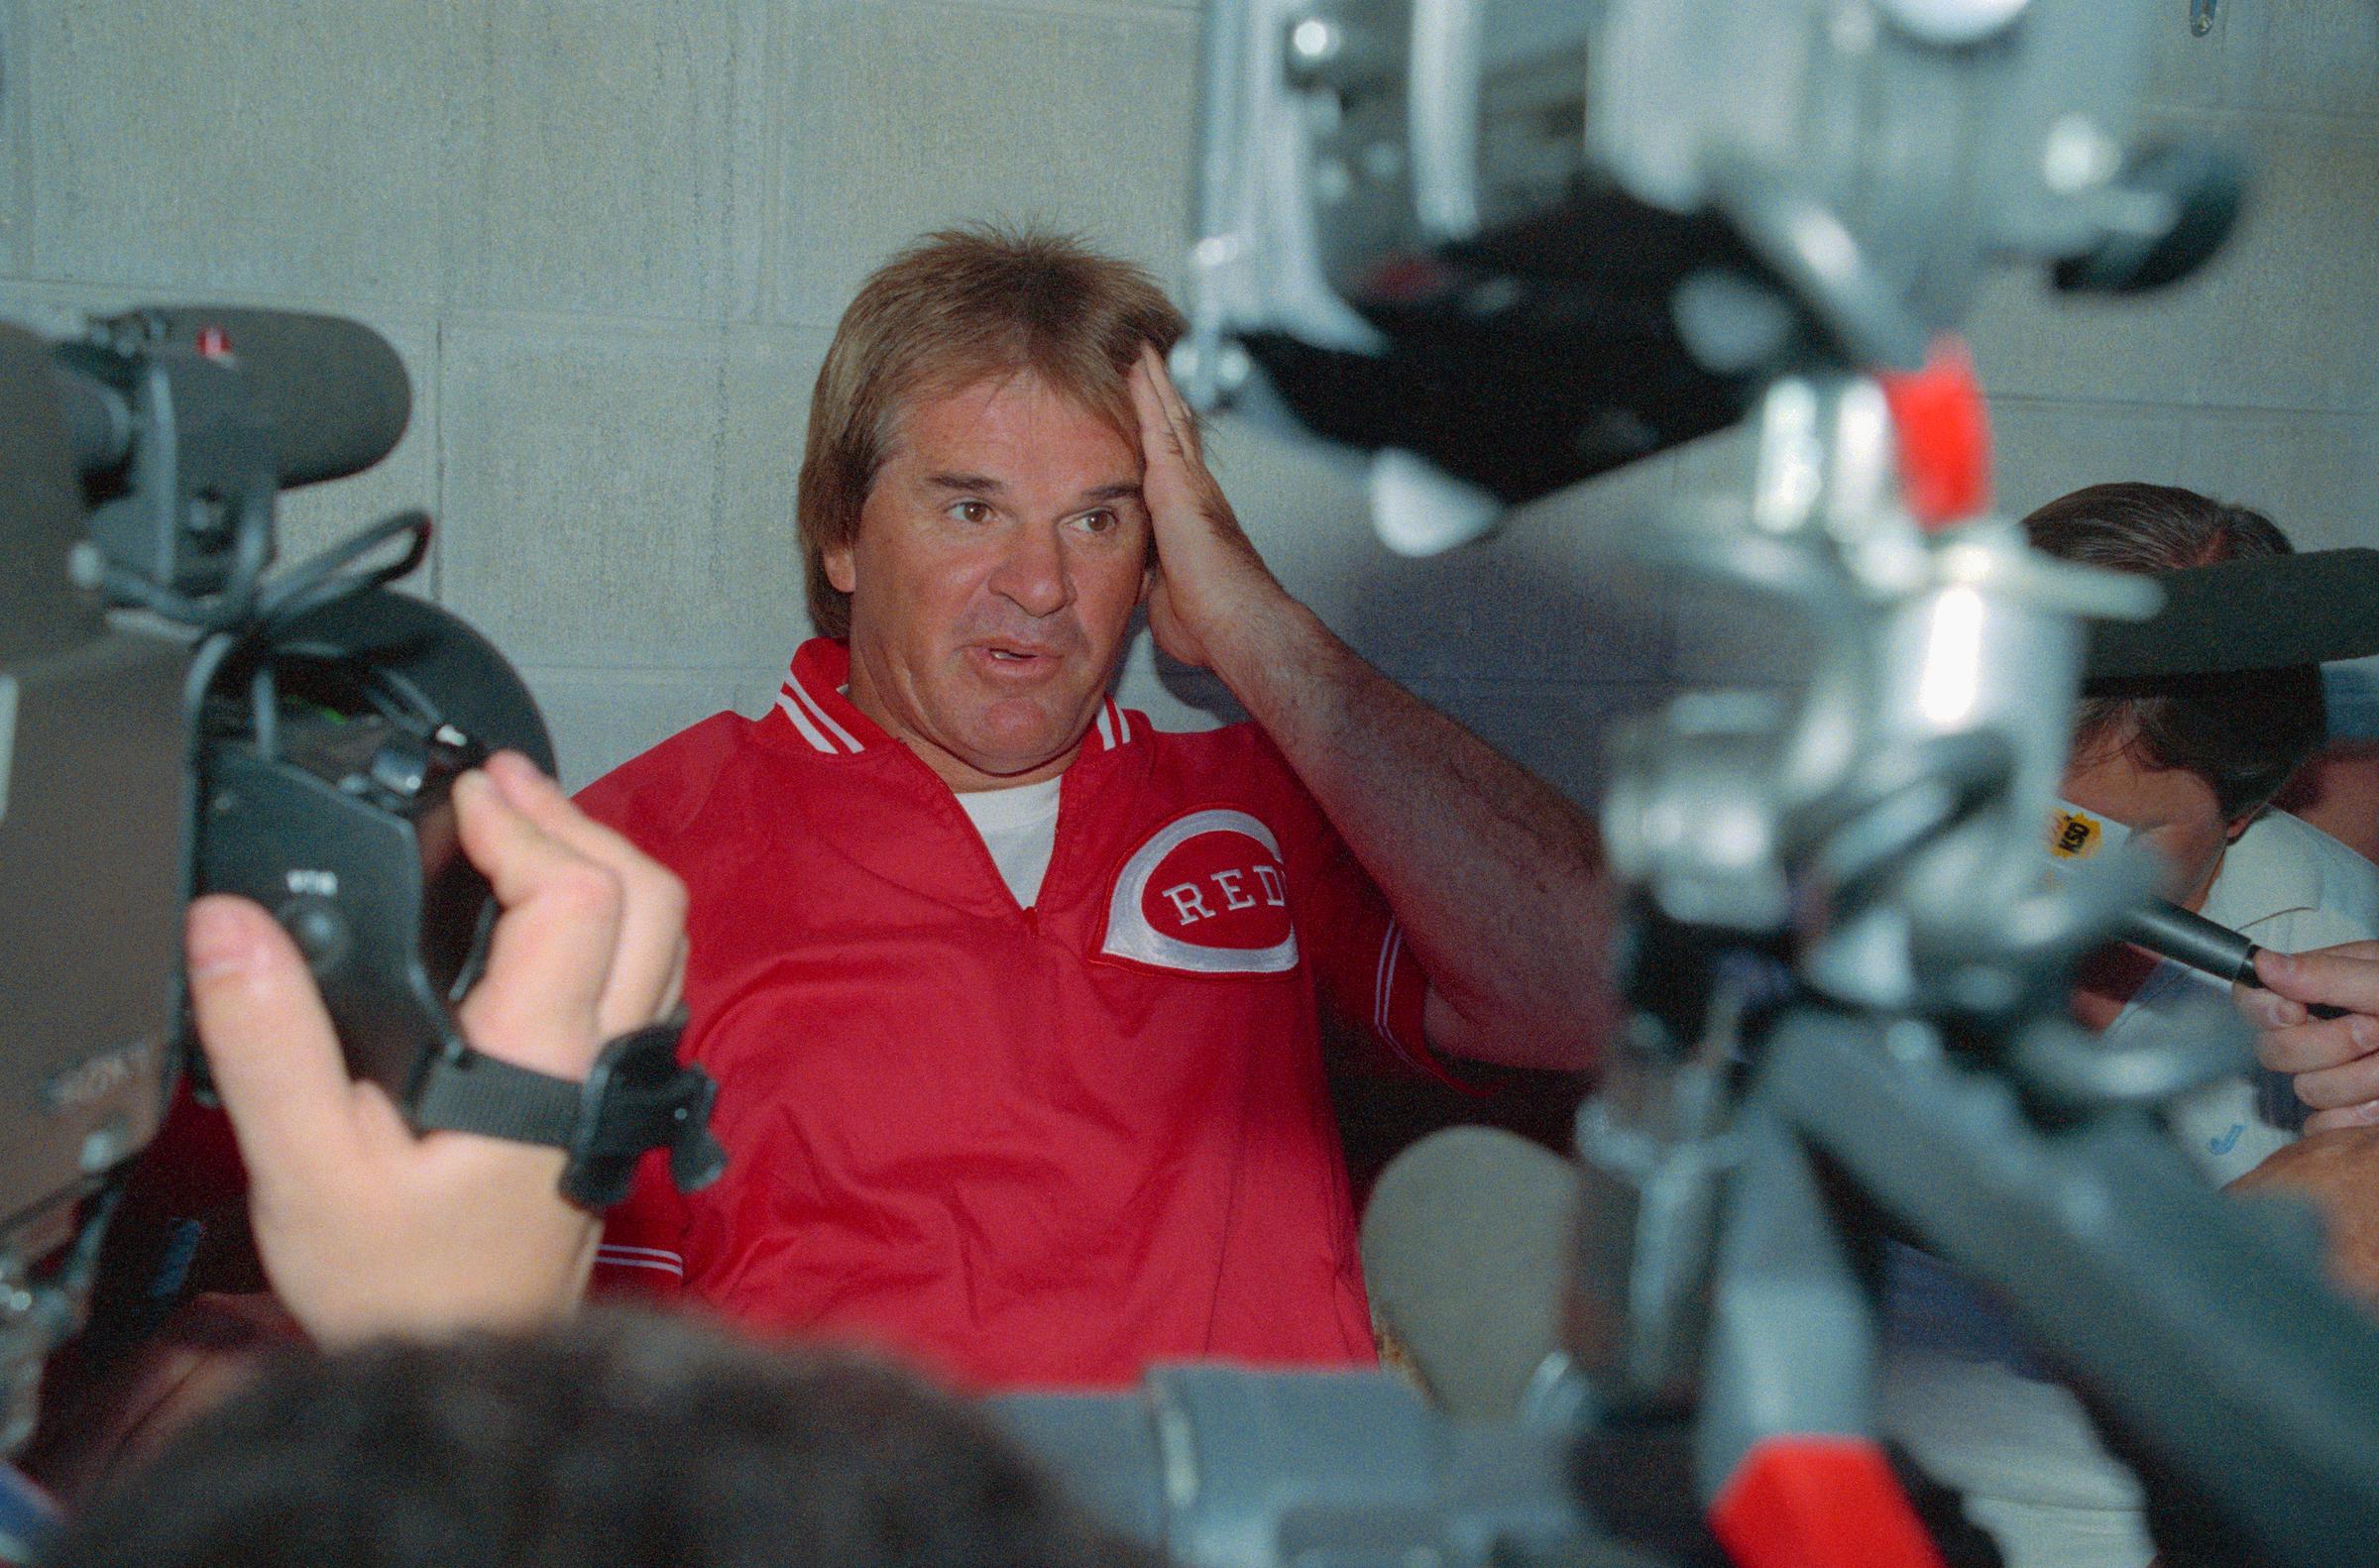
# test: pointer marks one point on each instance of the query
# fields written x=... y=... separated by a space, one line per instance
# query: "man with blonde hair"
x=1015 y=1002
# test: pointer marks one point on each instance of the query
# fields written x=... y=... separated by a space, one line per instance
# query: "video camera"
x=175 y=721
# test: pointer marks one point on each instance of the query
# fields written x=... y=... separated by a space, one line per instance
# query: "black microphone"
x=1467 y=1245
x=333 y=392
x=2264 y=612
x=2194 y=942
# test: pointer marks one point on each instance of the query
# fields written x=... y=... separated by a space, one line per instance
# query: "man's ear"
x=841 y=569
x=2240 y=824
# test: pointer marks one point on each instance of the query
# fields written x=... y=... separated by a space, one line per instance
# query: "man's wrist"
x=1278 y=659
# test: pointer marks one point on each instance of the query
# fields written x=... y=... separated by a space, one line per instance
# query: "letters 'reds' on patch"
x=2074 y=835
x=1205 y=894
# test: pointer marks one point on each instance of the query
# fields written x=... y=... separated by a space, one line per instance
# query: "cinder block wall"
x=610 y=237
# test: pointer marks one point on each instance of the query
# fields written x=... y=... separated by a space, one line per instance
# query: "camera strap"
x=636 y=1097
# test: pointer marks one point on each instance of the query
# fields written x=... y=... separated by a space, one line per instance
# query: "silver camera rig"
x=1503 y=245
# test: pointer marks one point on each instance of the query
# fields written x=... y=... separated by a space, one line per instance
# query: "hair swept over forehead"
x=949 y=310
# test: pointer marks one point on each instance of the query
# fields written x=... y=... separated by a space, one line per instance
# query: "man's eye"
x=971 y=511
x=1100 y=522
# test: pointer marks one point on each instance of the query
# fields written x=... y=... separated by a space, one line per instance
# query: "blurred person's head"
x=625 y=1440
x=2185 y=762
x=970 y=512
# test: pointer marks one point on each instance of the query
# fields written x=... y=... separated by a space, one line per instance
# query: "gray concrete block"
x=757 y=686
x=899 y=118
x=1546 y=595
x=1729 y=636
x=2042 y=450
x=600 y=717
x=2311 y=474
x=1559 y=730
x=56 y=310
x=607 y=156
x=1303 y=503
x=2281 y=318
x=2292 y=320
x=623 y=498
x=1087 y=7
x=15 y=168
x=2031 y=341
x=1178 y=697
x=263 y=147
x=2186 y=71
x=2304 y=58
x=1559 y=594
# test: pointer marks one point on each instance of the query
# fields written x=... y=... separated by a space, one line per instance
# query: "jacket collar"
x=813 y=712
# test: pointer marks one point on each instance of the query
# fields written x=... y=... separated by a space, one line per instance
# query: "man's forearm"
x=1494 y=875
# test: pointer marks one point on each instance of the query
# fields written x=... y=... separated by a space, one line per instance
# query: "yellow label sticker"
x=2074 y=835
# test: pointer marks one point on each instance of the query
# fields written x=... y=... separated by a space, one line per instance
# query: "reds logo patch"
x=1206 y=893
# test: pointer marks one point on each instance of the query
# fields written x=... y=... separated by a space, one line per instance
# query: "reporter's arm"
x=2337 y=1171
x=365 y=1228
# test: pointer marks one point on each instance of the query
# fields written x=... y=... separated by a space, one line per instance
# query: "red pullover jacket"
x=1028 y=1147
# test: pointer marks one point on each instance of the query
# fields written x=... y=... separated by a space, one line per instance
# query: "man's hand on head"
x=365 y=1228
x=2334 y=1062
x=1209 y=575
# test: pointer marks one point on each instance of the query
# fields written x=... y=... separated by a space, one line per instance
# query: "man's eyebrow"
x=1116 y=490
x=983 y=483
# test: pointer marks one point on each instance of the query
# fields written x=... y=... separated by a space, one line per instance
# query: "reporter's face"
x=2172 y=809
x=999 y=556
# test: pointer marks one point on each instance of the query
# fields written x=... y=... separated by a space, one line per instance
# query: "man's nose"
x=1032 y=572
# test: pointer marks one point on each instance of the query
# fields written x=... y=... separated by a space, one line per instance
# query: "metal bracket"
x=2202 y=16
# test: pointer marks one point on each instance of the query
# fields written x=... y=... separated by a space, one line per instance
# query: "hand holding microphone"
x=2316 y=1017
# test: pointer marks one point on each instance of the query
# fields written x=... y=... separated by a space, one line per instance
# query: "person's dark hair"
x=2244 y=732
x=626 y=1440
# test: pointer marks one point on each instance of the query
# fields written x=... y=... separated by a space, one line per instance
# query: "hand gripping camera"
x=174 y=722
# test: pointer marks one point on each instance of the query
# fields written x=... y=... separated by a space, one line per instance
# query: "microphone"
x=2265 y=613
x=1467 y=1245
x=333 y=392
x=2192 y=941
x=2196 y=943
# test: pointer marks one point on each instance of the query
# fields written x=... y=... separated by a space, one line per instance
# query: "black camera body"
x=327 y=754
x=328 y=750
x=176 y=719
x=347 y=833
